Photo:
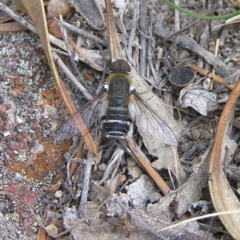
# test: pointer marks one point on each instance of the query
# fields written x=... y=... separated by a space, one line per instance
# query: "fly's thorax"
x=118 y=89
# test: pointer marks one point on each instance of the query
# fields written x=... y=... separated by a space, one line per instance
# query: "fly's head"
x=120 y=66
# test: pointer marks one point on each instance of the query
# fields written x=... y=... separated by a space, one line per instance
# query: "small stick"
x=155 y=176
x=84 y=33
x=143 y=13
x=61 y=64
x=176 y=18
x=133 y=30
x=216 y=78
x=187 y=42
x=66 y=40
x=86 y=180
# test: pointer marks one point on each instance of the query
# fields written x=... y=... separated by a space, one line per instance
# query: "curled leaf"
x=196 y=97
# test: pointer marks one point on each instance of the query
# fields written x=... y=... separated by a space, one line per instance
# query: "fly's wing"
x=150 y=121
x=90 y=113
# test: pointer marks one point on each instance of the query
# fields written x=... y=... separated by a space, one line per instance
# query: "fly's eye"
x=131 y=88
x=114 y=66
x=125 y=66
x=106 y=87
x=120 y=66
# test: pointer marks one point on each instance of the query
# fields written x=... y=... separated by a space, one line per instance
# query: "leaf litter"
x=187 y=178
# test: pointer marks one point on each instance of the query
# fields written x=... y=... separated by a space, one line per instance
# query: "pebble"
x=102 y=167
x=58 y=194
x=52 y=229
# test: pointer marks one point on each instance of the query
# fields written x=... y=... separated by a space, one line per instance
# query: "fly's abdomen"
x=116 y=122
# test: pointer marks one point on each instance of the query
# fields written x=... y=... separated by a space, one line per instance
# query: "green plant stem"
x=199 y=15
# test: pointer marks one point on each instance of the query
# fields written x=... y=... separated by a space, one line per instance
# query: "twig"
x=78 y=43
x=66 y=40
x=115 y=47
x=216 y=78
x=204 y=42
x=150 y=46
x=84 y=33
x=192 y=45
x=61 y=64
x=116 y=158
x=235 y=19
x=124 y=35
x=83 y=55
x=11 y=27
x=39 y=222
x=86 y=179
x=155 y=176
x=181 y=30
x=18 y=18
x=176 y=17
x=133 y=29
x=142 y=26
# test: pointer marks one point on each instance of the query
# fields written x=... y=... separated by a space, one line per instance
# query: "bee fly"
x=117 y=106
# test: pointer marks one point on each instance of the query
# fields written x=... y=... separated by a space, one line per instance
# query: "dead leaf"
x=91 y=11
x=196 y=97
x=143 y=225
x=167 y=156
x=189 y=192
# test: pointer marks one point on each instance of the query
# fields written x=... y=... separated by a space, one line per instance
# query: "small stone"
x=2 y=205
x=120 y=3
x=52 y=229
x=237 y=157
x=121 y=180
x=102 y=167
x=19 y=120
x=58 y=194
x=195 y=133
x=207 y=83
x=131 y=162
x=7 y=134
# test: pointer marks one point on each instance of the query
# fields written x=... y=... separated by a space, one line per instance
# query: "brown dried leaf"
x=222 y=195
